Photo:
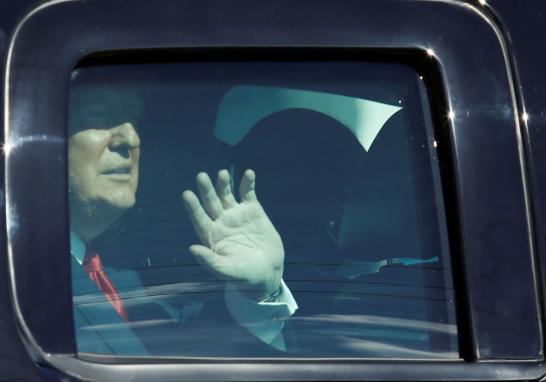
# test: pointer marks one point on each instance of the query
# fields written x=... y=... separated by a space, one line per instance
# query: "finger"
x=212 y=261
x=223 y=189
x=208 y=196
x=200 y=220
x=248 y=186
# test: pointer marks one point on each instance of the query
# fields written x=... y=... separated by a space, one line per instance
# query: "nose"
x=124 y=137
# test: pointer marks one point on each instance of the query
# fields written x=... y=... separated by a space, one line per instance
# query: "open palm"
x=238 y=241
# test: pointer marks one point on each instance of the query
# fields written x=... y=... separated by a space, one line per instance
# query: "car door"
x=480 y=185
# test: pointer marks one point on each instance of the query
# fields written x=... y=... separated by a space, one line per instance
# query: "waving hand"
x=238 y=241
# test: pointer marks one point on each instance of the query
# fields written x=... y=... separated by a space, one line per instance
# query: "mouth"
x=120 y=174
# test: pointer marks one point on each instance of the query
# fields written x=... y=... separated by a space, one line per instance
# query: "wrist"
x=266 y=291
x=274 y=297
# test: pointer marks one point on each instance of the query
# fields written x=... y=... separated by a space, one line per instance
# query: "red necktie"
x=93 y=267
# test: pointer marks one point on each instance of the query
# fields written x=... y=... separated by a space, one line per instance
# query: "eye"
x=95 y=116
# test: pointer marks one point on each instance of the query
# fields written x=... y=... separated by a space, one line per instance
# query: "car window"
x=258 y=209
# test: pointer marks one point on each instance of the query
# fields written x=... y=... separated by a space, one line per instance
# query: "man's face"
x=103 y=155
x=103 y=165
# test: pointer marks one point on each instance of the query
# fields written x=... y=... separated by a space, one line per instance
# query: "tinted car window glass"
x=343 y=159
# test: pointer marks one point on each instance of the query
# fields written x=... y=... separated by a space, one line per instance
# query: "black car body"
x=487 y=67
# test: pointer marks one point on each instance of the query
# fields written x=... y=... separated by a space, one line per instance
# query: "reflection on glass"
x=362 y=117
x=334 y=244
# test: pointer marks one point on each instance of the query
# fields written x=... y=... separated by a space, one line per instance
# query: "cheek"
x=82 y=166
x=80 y=180
x=85 y=148
x=75 y=166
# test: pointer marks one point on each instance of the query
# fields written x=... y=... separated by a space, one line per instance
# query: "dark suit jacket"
x=170 y=324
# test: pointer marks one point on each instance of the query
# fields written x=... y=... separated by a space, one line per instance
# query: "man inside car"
x=238 y=242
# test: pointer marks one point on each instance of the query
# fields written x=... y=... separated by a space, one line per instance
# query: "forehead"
x=112 y=98
x=96 y=102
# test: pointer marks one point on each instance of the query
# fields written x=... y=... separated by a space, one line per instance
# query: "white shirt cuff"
x=265 y=320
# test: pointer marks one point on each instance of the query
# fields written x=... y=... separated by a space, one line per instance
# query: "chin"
x=121 y=202
x=104 y=207
x=122 y=197
x=91 y=217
